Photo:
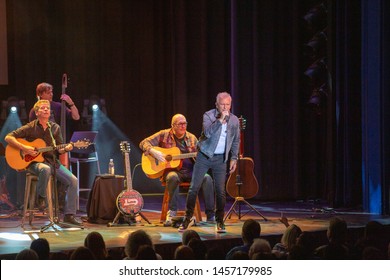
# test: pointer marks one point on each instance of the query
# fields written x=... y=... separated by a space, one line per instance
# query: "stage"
x=311 y=216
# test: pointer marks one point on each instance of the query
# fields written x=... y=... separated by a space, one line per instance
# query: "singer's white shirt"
x=220 y=149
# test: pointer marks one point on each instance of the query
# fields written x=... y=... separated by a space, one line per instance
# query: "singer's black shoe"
x=70 y=219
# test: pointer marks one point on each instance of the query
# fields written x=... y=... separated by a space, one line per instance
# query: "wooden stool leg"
x=49 y=196
x=26 y=198
x=164 y=206
x=197 y=210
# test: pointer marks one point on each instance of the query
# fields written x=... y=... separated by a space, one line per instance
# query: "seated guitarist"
x=178 y=136
x=50 y=133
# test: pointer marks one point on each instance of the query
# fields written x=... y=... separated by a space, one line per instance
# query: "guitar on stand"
x=64 y=158
x=129 y=202
x=242 y=183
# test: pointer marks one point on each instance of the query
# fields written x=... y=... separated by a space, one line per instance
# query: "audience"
x=95 y=242
x=82 y=253
x=374 y=236
x=184 y=252
x=251 y=229
x=41 y=247
x=198 y=247
x=261 y=247
x=294 y=245
x=27 y=254
x=188 y=234
x=134 y=241
x=146 y=252
x=288 y=240
x=337 y=248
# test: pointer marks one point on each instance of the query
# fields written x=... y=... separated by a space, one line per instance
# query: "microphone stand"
x=53 y=217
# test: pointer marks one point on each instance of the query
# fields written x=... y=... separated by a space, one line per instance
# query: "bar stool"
x=30 y=197
x=164 y=205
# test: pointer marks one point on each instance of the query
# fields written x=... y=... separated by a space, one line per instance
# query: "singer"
x=49 y=132
x=217 y=148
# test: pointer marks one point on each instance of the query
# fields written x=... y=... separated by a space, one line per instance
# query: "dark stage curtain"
x=152 y=59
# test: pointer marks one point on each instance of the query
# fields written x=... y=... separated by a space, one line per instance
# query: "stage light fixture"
x=316 y=47
x=316 y=17
x=319 y=95
x=317 y=72
x=13 y=106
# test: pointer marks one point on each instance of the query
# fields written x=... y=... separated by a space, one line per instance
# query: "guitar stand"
x=237 y=201
x=130 y=219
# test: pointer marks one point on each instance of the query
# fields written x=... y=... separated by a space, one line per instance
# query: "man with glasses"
x=50 y=133
x=178 y=136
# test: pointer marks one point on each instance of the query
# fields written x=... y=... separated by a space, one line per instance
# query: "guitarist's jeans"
x=218 y=168
x=43 y=171
x=173 y=180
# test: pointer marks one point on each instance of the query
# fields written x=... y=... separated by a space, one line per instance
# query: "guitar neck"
x=183 y=156
x=50 y=148
x=129 y=182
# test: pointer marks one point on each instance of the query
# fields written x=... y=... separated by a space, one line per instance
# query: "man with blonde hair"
x=50 y=133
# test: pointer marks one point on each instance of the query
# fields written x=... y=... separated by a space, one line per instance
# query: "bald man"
x=178 y=136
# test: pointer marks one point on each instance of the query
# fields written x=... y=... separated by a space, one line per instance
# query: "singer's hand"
x=224 y=116
x=233 y=165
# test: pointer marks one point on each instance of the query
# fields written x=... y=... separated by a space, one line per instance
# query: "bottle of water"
x=111 y=167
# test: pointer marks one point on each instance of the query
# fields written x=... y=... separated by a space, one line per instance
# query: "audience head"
x=290 y=236
x=250 y=230
x=373 y=229
x=259 y=245
x=239 y=255
x=27 y=254
x=215 y=252
x=95 y=242
x=337 y=230
x=135 y=240
x=146 y=252
x=184 y=252
x=82 y=253
x=41 y=247
x=198 y=247
x=188 y=234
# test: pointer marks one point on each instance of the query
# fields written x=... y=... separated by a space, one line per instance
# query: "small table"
x=101 y=205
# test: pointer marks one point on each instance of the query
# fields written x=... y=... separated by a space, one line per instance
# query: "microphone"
x=226 y=118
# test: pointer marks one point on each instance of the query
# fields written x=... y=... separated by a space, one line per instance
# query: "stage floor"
x=312 y=216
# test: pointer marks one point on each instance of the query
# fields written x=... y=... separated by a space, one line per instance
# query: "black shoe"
x=220 y=228
x=70 y=219
x=41 y=203
x=187 y=223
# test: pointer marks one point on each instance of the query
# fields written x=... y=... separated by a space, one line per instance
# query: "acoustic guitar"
x=247 y=186
x=153 y=168
x=129 y=201
x=20 y=161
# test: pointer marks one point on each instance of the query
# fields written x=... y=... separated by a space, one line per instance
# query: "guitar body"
x=250 y=186
x=130 y=202
x=154 y=168
x=18 y=160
